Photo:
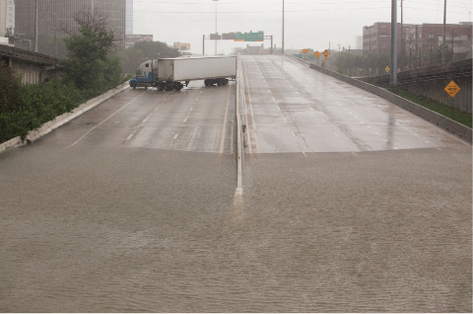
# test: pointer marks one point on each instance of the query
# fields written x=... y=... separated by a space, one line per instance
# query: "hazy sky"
x=308 y=23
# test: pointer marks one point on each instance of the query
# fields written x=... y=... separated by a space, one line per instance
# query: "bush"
x=9 y=88
x=36 y=105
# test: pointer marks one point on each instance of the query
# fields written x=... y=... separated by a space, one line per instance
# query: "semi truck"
x=175 y=73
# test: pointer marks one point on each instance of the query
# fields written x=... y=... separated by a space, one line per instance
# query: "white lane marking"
x=336 y=134
x=106 y=119
x=142 y=123
x=187 y=116
x=174 y=138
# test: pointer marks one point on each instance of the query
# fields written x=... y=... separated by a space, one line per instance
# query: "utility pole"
x=282 y=26
x=36 y=24
x=216 y=39
x=55 y=29
x=444 y=28
x=402 y=41
x=393 y=78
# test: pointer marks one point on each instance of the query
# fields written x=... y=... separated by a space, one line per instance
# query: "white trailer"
x=201 y=68
x=174 y=73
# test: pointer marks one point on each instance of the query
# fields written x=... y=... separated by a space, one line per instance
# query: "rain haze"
x=307 y=23
x=251 y=183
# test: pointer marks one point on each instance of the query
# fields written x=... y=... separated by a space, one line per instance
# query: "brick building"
x=416 y=39
x=377 y=38
x=54 y=15
x=428 y=38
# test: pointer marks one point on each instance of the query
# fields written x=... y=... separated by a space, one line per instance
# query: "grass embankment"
x=447 y=111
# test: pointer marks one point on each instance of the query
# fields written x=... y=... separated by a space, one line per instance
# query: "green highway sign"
x=259 y=36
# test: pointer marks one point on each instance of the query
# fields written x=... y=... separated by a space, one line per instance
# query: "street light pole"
x=393 y=80
x=216 y=39
x=36 y=25
x=282 y=26
x=402 y=41
x=444 y=29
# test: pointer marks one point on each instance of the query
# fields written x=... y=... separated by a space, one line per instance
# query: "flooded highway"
x=132 y=206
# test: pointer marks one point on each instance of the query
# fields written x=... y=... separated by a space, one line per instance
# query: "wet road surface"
x=291 y=108
x=132 y=207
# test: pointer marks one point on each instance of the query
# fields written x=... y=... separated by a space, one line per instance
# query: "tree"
x=141 y=51
x=89 y=64
x=10 y=85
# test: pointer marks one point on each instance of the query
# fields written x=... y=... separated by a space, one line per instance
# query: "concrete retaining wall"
x=62 y=119
x=445 y=123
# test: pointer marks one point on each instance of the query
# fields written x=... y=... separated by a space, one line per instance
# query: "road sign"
x=387 y=69
x=305 y=50
x=239 y=36
x=215 y=36
x=317 y=54
x=452 y=89
x=326 y=53
x=228 y=36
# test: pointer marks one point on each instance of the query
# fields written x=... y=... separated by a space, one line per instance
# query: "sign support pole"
x=394 y=43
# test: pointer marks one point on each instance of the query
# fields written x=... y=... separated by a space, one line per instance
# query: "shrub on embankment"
x=89 y=71
x=27 y=107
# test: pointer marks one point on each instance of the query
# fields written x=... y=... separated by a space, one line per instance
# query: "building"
x=129 y=17
x=419 y=39
x=7 y=18
x=427 y=38
x=377 y=38
x=40 y=24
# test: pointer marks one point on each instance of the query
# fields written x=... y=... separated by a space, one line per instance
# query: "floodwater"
x=103 y=216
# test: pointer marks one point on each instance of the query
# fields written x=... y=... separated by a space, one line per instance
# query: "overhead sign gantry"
x=238 y=37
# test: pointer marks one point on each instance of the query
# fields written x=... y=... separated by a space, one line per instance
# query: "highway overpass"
x=348 y=203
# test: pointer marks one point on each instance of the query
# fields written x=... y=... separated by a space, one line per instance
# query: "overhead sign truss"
x=239 y=36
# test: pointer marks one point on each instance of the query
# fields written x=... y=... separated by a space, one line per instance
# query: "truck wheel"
x=178 y=86
x=133 y=85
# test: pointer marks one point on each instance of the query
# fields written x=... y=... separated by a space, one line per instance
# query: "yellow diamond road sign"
x=317 y=54
x=387 y=69
x=452 y=89
x=326 y=53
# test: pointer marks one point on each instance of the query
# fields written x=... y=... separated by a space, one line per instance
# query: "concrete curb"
x=63 y=119
x=452 y=126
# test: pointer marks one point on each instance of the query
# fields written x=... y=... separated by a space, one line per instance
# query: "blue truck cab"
x=144 y=75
